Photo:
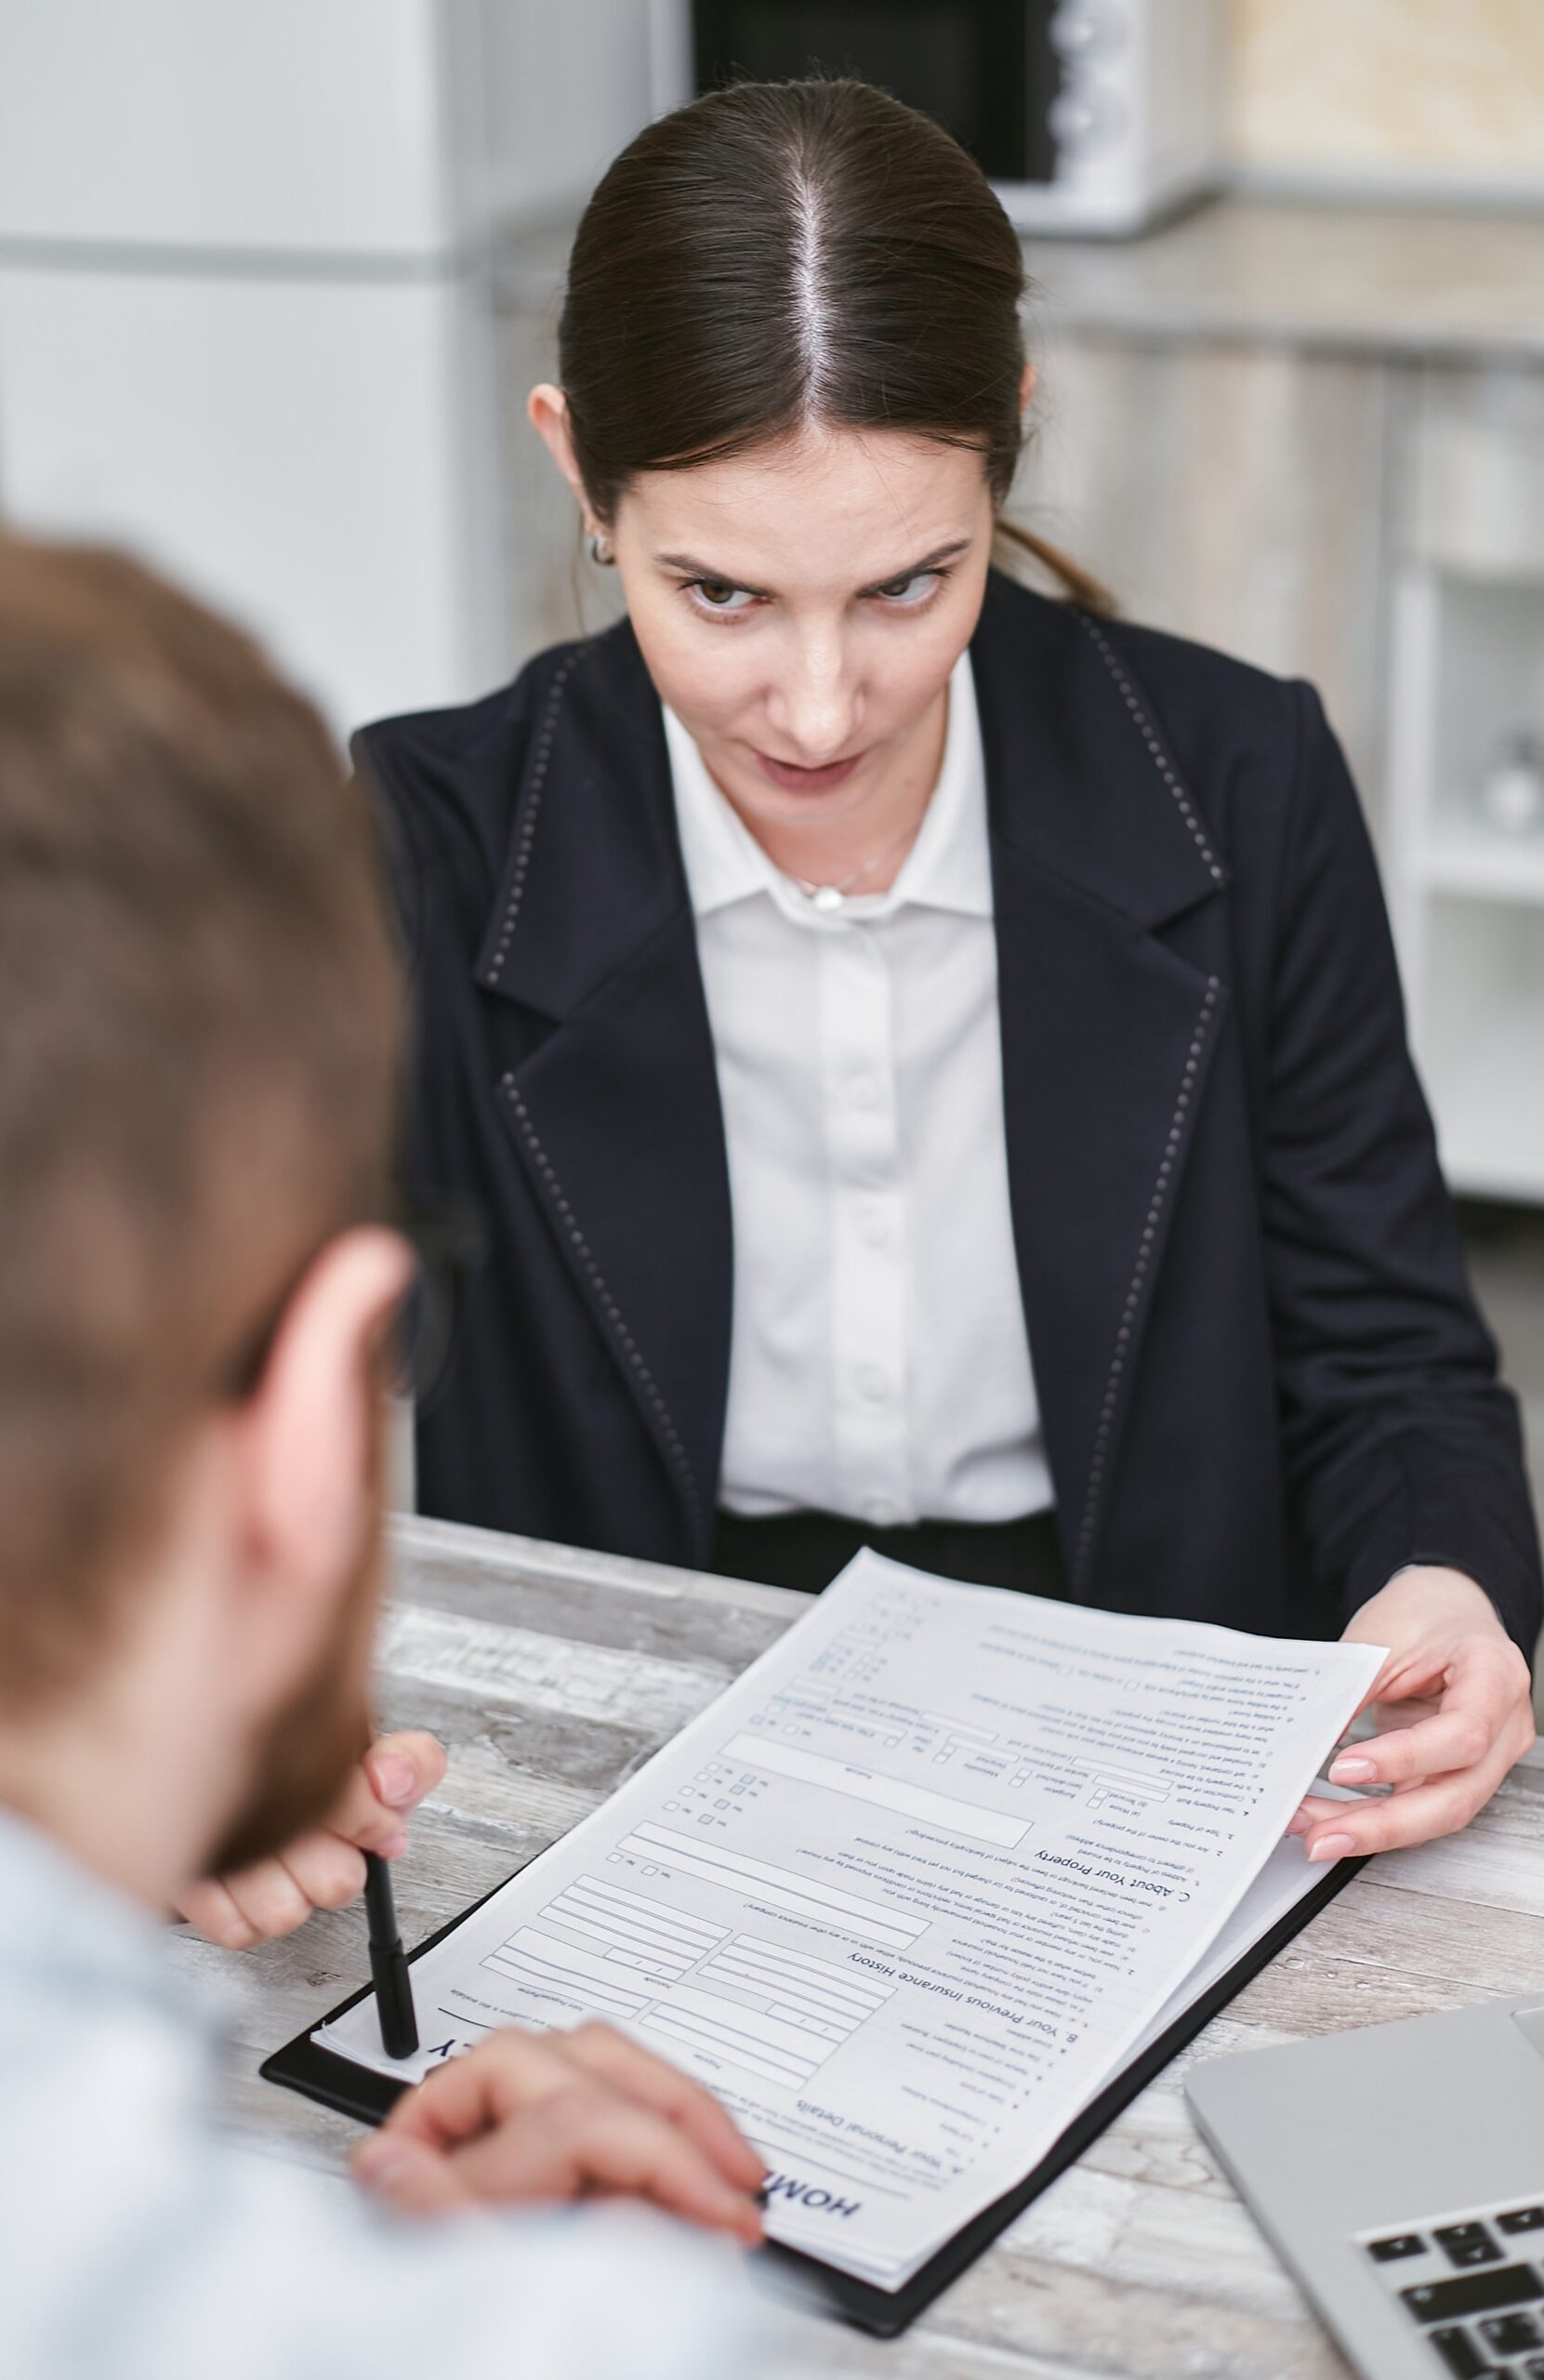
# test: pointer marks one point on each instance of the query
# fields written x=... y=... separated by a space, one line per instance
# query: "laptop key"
x=1460 y=2353
x=1511 y=2334
x=1533 y=2369
x=1474 y=2293
x=1388 y=2252
x=1521 y=2219
x=1467 y=2243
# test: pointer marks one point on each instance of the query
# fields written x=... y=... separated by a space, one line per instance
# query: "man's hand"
x=564 y=2115
x=324 y=1868
x=1453 y=1703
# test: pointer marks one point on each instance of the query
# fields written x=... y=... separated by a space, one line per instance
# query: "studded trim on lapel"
x=497 y=950
x=614 y=1110
x=1161 y=761
x=643 y=1379
x=1128 y=1331
x=1108 y=1032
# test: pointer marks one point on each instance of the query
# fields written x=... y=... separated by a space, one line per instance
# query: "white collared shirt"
x=880 y=1365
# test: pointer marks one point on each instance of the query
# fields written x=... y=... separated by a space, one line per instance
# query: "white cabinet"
x=305 y=127
x=307 y=453
x=246 y=315
x=1466 y=681
x=1468 y=891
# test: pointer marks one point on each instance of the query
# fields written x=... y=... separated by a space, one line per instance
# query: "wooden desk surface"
x=550 y=1674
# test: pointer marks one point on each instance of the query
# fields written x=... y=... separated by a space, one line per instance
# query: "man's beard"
x=309 y=1746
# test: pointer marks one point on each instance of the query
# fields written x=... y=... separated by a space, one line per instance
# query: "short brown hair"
x=199 y=1026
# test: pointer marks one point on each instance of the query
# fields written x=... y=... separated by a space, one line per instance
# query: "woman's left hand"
x=1455 y=1710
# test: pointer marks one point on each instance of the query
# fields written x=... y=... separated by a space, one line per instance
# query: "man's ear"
x=546 y=411
x=309 y=1428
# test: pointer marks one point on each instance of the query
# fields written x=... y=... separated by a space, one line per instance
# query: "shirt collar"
x=948 y=867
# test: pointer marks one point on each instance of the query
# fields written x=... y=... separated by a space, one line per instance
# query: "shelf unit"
x=1468 y=898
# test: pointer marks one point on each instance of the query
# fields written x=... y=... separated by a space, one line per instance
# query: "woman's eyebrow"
x=691 y=568
x=915 y=569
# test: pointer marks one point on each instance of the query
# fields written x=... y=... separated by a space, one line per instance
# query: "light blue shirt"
x=135 y=2244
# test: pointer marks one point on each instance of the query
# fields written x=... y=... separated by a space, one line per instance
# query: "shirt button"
x=881 y=1512
x=874 y=1381
x=874 y=1227
x=863 y=1091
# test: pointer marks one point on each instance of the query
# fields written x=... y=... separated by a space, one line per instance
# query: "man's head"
x=198 y=1057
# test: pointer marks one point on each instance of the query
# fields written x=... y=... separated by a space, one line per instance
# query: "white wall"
x=296 y=125
x=301 y=452
x=246 y=318
x=567 y=85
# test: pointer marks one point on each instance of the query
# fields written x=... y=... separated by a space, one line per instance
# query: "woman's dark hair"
x=782 y=253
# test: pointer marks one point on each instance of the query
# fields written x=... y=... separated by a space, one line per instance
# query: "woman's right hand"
x=564 y=2115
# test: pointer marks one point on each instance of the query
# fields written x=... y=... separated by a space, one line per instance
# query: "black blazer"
x=1263 y=1379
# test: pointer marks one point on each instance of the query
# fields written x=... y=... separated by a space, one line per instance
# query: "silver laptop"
x=1398 y=2171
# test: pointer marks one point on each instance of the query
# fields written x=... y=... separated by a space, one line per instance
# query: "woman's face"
x=800 y=608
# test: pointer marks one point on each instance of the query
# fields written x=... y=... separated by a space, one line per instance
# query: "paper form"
x=1284 y=1880
x=913 y=1890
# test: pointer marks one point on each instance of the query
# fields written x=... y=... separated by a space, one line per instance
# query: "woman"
x=931 y=1054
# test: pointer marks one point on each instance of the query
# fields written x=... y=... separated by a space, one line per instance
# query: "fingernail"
x=1332 y=1847
x=1298 y=1823
x=392 y=1845
x=394 y=1778
x=381 y=2162
x=1352 y=1769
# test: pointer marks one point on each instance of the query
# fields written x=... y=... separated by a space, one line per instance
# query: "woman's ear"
x=1026 y=388
x=546 y=411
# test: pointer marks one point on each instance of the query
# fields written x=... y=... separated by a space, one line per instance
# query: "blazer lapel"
x=1107 y=1031
x=614 y=1113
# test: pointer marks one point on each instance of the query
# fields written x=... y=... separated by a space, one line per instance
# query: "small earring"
x=600 y=547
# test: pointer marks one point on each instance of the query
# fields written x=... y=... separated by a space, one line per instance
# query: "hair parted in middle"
x=780 y=254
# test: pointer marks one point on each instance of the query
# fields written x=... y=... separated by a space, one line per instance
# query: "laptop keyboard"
x=1476 y=2284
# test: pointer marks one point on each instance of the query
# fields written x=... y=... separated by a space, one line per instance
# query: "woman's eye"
x=721 y=595
x=914 y=590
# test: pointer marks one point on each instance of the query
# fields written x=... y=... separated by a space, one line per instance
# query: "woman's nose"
x=814 y=709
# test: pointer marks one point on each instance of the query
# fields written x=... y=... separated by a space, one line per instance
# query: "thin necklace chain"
x=834 y=892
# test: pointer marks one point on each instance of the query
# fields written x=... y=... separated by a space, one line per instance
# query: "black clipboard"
x=353 y=2090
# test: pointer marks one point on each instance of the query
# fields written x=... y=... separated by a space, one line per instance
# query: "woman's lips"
x=795 y=780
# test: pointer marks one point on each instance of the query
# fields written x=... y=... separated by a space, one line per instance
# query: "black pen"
x=399 y=2027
